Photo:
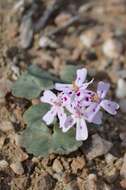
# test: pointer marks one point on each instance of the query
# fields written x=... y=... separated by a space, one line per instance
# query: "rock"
x=123 y=168
x=110 y=173
x=44 y=182
x=72 y=186
x=91 y=182
x=88 y=38
x=57 y=166
x=17 y=168
x=122 y=105
x=123 y=183
x=120 y=90
x=2 y=140
x=109 y=158
x=6 y=126
x=5 y=86
x=3 y=164
x=62 y=18
x=19 y=183
x=26 y=32
x=112 y=48
x=45 y=42
x=77 y=164
x=99 y=147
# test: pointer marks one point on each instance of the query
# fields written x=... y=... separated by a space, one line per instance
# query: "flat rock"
x=99 y=147
x=17 y=168
x=26 y=32
x=123 y=168
x=120 y=90
x=57 y=166
x=44 y=182
x=77 y=164
x=91 y=182
x=3 y=164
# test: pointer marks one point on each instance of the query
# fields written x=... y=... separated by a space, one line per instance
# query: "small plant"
x=58 y=125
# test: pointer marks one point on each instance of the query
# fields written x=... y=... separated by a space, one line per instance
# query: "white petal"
x=48 y=97
x=70 y=121
x=81 y=130
x=102 y=89
x=62 y=117
x=63 y=87
x=49 y=116
x=81 y=76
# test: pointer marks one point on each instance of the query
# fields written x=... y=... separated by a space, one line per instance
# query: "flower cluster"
x=75 y=104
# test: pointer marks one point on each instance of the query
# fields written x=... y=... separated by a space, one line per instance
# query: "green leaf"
x=39 y=140
x=64 y=143
x=68 y=73
x=35 y=112
x=32 y=82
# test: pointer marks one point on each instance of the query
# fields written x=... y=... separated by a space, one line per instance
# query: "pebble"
x=88 y=38
x=110 y=173
x=5 y=86
x=62 y=18
x=72 y=186
x=57 y=166
x=123 y=183
x=109 y=158
x=44 y=182
x=91 y=182
x=122 y=105
x=120 y=89
x=26 y=32
x=17 y=168
x=6 y=126
x=2 y=140
x=3 y=164
x=99 y=147
x=123 y=168
x=45 y=42
x=112 y=48
x=77 y=164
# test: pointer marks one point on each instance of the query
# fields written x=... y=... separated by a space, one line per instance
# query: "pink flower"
x=77 y=88
x=98 y=101
x=79 y=117
x=57 y=107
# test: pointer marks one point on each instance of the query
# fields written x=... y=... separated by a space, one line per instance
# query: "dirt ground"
x=88 y=33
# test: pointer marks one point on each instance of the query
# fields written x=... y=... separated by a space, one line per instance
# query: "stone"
x=91 y=182
x=77 y=164
x=3 y=164
x=72 y=185
x=17 y=168
x=109 y=158
x=112 y=48
x=120 y=89
x=122 y=105
x=123 y=168
x=26 y=32
x=6 y=126
x=5 y=86
x=110 y=173
x=88 y=38
x=123 y=183
x=44 y=182
x=45 y=42
x=99 y=147
x=57 y=166
x=2 y=140
x=62 y=18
